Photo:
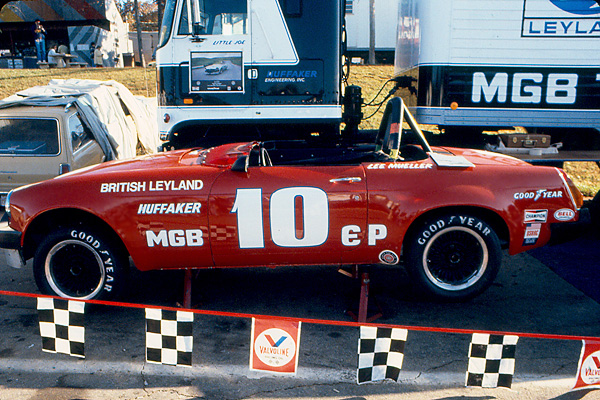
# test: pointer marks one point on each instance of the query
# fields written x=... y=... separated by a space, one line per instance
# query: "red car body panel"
x=189 y=209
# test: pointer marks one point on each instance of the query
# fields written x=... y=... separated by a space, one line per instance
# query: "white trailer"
x=358 y=32
x=501 y=63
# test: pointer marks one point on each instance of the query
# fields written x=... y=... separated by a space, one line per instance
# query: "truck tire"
x=594 y=207
x=453 y=257
x=80 y=263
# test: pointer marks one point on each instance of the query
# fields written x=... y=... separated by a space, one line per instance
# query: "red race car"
x=446 y=214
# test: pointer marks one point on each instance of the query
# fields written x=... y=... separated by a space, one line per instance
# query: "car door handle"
x=352 y=179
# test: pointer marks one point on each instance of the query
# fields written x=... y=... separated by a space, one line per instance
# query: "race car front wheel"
x=79 y=263
x=453 y=257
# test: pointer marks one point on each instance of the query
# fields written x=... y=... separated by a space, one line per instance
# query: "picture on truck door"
x=216 y=72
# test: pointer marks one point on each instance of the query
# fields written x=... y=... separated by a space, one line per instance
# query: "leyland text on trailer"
x=260 y=63
x=488 y=64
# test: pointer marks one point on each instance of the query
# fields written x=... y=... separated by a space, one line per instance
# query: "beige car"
x=39 y=143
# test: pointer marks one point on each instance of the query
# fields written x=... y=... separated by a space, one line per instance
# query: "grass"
x=142 y=81
x=139 y=80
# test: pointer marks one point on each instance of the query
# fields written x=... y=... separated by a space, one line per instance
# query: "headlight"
x=7 y=204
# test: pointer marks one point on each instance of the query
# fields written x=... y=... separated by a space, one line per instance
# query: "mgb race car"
x=445 y=214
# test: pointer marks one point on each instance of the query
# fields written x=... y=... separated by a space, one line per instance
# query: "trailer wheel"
x=80 y=263
x=453 y=257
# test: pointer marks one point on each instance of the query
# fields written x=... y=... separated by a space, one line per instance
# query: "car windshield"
x=28 y=136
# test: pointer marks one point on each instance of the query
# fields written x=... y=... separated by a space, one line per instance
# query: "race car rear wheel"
x=79 y=263
x=454 y=257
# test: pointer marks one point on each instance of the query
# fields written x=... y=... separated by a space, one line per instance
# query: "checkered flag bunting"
x=169 y=337
x=62 y=326
x=491 y=360
x=380 y=353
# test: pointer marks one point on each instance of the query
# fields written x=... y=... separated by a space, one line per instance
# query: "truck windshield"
x=167 y=22
x=216 y=17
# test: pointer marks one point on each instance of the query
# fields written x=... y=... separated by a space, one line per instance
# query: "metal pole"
x=187 y=289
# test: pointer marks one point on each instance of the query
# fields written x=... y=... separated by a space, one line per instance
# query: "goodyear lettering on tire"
x=104 y=255
x=437 y=225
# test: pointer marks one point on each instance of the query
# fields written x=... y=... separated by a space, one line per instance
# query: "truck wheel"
x=594 y=207
x=80 y=263
x=454 y=257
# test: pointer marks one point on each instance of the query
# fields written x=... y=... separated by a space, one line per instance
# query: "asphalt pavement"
x=527 y=297
x=577 y=262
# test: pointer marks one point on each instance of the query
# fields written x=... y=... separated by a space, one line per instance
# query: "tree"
x=148 y=13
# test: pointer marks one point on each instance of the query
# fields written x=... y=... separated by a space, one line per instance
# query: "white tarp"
x=100 y=104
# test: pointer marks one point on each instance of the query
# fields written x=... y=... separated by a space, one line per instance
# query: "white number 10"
x=282 y=217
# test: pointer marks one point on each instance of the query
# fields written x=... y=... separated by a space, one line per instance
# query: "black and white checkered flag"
x=169 y=337
x=61 y=326
x=380 y=353
x=491 y=360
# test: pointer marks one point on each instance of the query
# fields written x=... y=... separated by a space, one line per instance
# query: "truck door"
x=280 y=215
x=218 y=33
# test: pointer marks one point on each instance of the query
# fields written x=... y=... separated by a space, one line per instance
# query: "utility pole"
x=139 y=33
x=160 y=6
x=372 y=60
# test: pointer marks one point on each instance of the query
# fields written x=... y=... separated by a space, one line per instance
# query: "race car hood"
x=161 y=160
x=113 y=181
x=220 y=157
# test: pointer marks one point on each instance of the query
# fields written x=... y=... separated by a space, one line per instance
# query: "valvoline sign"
x=561 y=18
x=275 y=346
x=588 y=371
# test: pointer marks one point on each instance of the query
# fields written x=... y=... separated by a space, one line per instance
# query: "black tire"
x=453 y=257
x=80 y=263
x=594 y=207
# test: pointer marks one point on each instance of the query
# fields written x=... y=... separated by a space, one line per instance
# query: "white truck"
x=506 y=63
x=282 y=77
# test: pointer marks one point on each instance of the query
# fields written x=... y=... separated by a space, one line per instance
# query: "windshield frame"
x=168 y=20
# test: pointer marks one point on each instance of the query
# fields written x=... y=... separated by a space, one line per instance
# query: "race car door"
x=285 y=215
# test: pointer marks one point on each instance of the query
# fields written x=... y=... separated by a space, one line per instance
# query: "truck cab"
x=248 y=69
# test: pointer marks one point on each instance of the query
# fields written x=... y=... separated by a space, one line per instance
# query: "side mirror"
x=241 y=164
x=198 y=29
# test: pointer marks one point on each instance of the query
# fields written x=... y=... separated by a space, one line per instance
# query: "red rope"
x=312 y=320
